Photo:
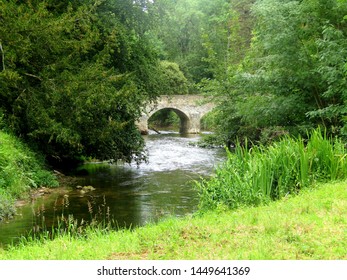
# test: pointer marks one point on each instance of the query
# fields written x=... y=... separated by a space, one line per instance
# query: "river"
x=129 y=194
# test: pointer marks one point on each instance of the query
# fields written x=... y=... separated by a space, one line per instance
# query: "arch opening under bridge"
x=189 y=108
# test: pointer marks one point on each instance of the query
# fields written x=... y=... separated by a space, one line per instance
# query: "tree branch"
x=34 y=76
x=3 y=57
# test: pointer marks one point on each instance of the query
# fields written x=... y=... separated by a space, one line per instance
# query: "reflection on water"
x=134 y=194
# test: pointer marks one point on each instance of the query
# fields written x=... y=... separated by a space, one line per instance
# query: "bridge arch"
x=189 y=108
x=184 y=118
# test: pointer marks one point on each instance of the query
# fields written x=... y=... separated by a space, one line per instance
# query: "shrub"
x=172 y=79
x=7 y=209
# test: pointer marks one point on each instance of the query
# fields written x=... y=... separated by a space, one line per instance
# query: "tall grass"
x=20 y=170
x=261 y=174
x=63 y=224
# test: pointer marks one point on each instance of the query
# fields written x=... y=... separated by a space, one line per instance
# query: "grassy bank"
x=312 y=225
x=20 y=171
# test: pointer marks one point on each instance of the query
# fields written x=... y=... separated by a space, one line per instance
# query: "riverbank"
x=21 y=171
x=311 y=225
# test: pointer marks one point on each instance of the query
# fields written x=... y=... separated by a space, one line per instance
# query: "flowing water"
x=132 y=195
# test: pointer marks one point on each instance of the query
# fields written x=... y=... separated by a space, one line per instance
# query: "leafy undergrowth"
x=311 y=225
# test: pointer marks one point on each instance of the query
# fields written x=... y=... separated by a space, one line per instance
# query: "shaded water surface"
x=132 y=195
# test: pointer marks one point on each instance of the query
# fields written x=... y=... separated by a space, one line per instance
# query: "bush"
x=7 y=209
x=172 y=79
x=260 y=174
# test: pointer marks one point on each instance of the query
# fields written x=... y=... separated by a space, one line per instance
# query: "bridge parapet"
x=189 y=108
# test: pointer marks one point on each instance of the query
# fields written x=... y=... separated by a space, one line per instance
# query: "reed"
x=252 y=176
x=63 y=224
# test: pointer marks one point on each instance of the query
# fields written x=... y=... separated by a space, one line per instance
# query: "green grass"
x=311 y=225
x=20 y=170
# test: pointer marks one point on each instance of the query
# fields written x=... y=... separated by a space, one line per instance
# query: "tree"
x=172 y=79
x=296 y=55
x=294 y=77
x=197 y=35
x=77 y=75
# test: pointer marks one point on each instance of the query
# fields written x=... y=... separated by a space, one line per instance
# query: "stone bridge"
x=189 y=108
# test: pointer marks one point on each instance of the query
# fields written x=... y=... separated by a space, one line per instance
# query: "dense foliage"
x=294 y=76
x=75 y=75
x=173 y=80
x=201 y=35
